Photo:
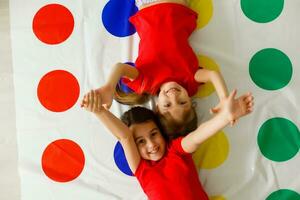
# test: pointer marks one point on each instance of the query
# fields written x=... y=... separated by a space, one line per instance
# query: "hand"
x=234 y=108
x=217 y=109
x=92 y=102
x=107 y=94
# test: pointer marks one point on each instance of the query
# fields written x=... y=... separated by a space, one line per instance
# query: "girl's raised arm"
x=92 y=102
x=231 y=109
x=118 y=71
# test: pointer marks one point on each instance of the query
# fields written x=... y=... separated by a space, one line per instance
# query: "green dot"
x=278 y=139
x=262 y=11
x=284 y=194
x=270 y=69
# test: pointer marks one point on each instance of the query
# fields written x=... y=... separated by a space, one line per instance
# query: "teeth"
x=154 y=151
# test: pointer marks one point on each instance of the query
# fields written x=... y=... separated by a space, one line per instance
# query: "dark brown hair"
x=138 y=114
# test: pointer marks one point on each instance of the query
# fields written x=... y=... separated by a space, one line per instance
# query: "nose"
x=151 y=144
x=173 y=94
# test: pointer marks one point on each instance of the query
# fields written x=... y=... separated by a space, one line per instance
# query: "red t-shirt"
x=164 y=51
x=173 y=177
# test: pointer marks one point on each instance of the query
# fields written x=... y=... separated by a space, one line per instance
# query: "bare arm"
x=205 y=75
x=92 y=103
x=231 y=109
x=192 y=141
x=119 y=70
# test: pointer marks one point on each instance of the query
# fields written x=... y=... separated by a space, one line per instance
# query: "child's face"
x=173 y=100
x=149 y=140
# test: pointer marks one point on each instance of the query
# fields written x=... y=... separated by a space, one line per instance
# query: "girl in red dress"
x=166 y=66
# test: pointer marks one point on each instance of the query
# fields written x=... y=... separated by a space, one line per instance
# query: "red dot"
x=58 y=90
x=53 y=24
x=63 y=160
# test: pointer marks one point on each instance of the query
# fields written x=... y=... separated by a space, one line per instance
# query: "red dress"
x=173 y=177
x=164 y=51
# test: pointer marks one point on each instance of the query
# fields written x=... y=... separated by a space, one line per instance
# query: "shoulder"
x=176 y=147
x=140 y=168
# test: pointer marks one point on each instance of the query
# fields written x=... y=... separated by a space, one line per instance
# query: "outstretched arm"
x=92 y=102
x=118 y=71
x=231 y=109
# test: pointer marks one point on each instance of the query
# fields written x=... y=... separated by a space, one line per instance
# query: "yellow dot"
x=204 y=8
x=213 y=152
x=217 y=198
x=207 y=88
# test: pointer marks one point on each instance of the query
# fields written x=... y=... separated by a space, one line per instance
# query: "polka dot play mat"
x=63 y=49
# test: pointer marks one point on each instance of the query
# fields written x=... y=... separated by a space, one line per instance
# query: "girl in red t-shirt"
x=165 y=170
x=166 y=67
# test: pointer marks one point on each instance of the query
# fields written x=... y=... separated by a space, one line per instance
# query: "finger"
x=100 y=106
x=93 y=100
x=249 y=110
x=105 y=106
x=248 y=99
x=250 y=104
x=90 y=101
x=244 y=97
x=83 y=103
x=96 y=101
x=108 y=106
x=232 y=94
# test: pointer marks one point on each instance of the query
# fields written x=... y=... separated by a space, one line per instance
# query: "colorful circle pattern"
x=270 y=69
x=63 y=159
x=53 y=24
x=58 y=90
x=120 y=159
x=284 y=194
x=279 y=139
x=115 y=17
x=262 y=11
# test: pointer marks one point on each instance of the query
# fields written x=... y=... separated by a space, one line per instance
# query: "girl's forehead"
x=143 y=129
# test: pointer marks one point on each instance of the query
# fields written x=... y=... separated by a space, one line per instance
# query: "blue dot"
x=120 y=160
x=115 y=17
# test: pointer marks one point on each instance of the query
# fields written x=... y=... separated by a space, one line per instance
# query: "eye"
x=153 y=134
x=183 y=102
x=167 y=105
x=142 y=141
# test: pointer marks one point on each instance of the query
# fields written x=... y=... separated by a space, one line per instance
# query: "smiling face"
x=173 y=101
x=149 y=140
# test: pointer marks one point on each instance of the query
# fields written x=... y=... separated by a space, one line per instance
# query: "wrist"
x=98 y=112
x=225 y=117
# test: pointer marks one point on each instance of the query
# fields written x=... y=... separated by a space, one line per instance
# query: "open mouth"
x=154 y=151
